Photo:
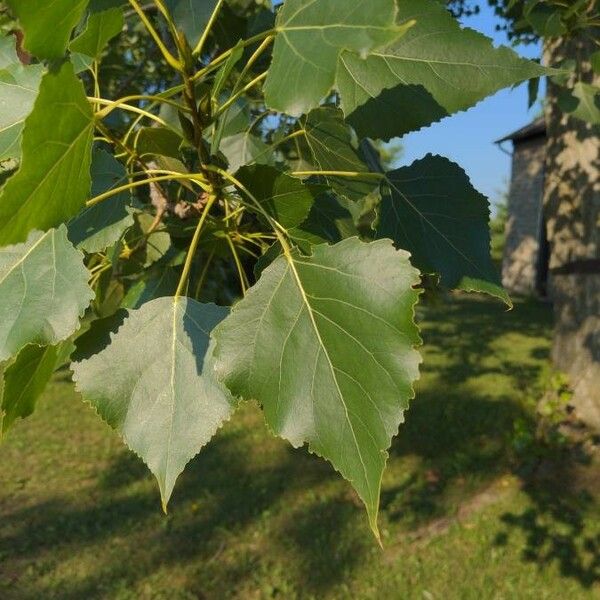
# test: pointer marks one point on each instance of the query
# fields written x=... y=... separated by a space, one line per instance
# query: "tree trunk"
x=572 y=211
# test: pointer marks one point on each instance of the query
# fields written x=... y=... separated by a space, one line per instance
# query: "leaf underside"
x=19 y=86
x=154 y=384
x=43 y=291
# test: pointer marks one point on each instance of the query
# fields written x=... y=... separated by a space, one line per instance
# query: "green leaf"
x=81 y=62
x=329 y=147
x=243 y=149
x=158 y=284
x=24 y=381
x=47 y=25
x=588 y=105
x=158 y=242
x=155 y=384
x=546 y=21
x=100 y=29
x=533 y=88
x=326 y=344
x=158 y=141
x=19 y=86
x=191 y=17
x=434 y=70
x=431 y=209
x=8 y=51
x=53 y=181
x=284 y=198
x=310 y=38
x=595 y=61
x=328 y=221
x=225 y=71
x=101 y=225
x=43 y=291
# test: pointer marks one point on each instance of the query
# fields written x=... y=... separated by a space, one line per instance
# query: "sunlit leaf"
x=43 y=291
x=310 y=38
x=53 y=181
x=435 y=69
x=326 y=344
x=155 y=384
x=47 y=25
x=19 y=86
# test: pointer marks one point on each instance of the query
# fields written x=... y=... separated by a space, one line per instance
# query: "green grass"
x=252 y=518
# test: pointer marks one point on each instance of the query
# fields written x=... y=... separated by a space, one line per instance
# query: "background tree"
x=570 y=32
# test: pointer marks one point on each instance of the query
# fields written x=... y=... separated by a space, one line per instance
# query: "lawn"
x=462 y=515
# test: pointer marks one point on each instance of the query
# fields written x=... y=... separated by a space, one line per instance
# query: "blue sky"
x=468 y=138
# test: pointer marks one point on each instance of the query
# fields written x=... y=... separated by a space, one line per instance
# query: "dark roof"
x=535 y=129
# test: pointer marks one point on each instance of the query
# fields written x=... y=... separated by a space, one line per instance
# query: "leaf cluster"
x=195 y=213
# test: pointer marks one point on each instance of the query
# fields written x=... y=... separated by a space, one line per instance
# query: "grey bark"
x=572 y=212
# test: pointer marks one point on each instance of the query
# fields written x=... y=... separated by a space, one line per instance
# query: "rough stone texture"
x=572 y=210
x=520 y=261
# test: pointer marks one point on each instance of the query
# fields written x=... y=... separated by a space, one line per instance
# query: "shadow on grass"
x=221 y=496
x=467 y=438
x=555 y=526
x=227 y=497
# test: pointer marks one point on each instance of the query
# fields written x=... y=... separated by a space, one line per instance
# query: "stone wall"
x=520 y=261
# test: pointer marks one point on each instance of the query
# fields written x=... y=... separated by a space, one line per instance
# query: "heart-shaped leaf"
x=432 y=210
x=326 y=344
x=155 y=384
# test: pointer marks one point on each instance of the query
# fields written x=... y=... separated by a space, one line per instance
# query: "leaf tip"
x=375 y=529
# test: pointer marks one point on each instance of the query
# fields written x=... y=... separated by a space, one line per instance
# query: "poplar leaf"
x=19 y=86
x=284 y=198
x=53 y=181
x=431 y=209
x=310 y=39
x=43 y=291
x=47 y=25
x=155 y=384
x=101 y=27
x=326 y=344
x=328 y=146
x=435 y=69
x=24 y=382
x=101 y=225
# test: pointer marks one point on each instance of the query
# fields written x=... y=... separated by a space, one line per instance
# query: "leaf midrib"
x=305 y=300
